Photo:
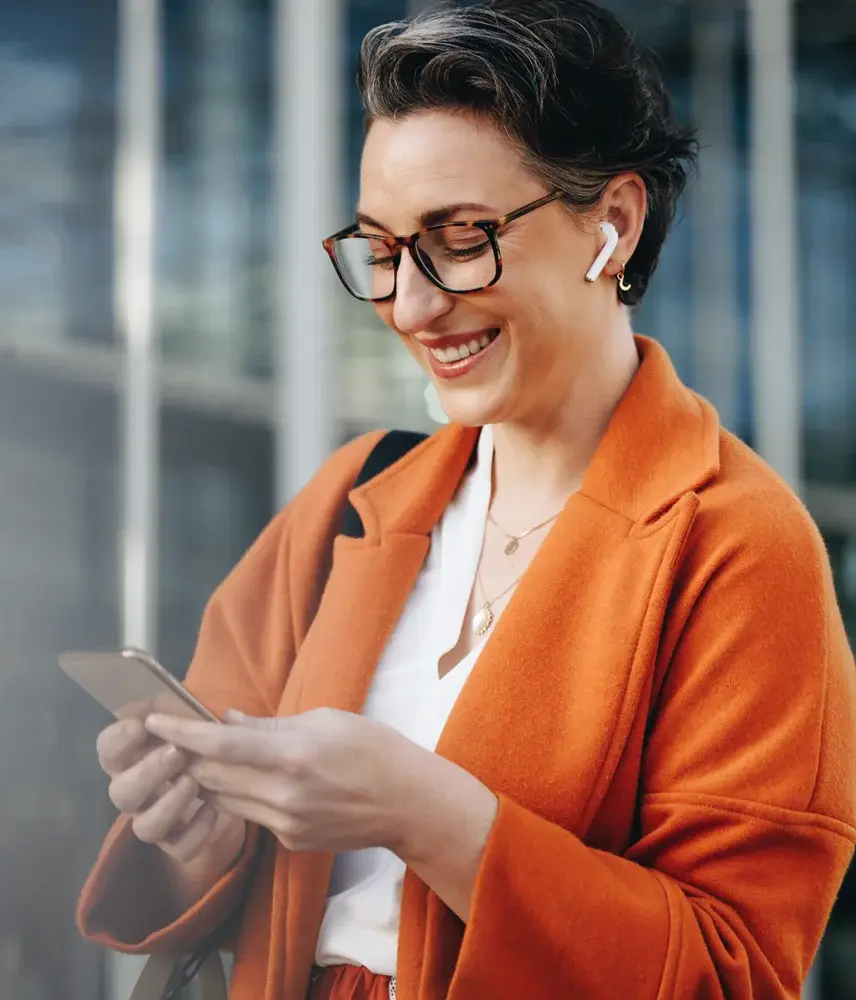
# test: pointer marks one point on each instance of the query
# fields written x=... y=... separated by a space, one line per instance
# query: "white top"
x=360 y=925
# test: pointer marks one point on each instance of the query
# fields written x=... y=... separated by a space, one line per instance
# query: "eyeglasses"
x=458 y=257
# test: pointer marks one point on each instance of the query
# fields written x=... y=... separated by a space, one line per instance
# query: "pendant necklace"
x=483 y=619
x=513 y=543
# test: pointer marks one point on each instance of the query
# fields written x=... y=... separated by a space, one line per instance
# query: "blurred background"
x=176 y=357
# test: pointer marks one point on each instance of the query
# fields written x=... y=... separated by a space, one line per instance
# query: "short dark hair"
x=563 y=79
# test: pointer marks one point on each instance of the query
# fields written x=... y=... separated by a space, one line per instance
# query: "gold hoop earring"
x=623 y=284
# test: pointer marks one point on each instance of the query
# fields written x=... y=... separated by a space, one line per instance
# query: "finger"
x=259 y=813
x=234 y=744
x=166 y=817
x=220 y=776
x=234 y=779
x=191 y=841
x=118 y=744
x=132 y=789
x=235 y=718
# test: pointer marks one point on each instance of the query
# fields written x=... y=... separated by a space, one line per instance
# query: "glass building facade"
x=222 y=393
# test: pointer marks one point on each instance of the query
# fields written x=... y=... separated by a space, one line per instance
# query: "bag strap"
x=391 y=447
x=162 y=970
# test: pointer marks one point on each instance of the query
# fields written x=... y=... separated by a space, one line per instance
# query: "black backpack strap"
x=391 y=447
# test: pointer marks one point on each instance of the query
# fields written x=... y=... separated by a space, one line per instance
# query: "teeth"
x=449 y=355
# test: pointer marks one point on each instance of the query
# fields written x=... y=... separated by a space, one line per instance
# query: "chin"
x=475 y=408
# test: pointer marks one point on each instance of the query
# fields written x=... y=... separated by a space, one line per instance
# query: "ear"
x=625 y=205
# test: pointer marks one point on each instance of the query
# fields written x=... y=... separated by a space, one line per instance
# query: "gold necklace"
x=514 y=541
x=483 y=619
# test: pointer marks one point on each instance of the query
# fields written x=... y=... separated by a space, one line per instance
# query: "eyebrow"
x=435 y=216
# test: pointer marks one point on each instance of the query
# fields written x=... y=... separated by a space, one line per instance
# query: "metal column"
x=221 y=135
x=715 y=327
x=137 y=161
x=308 y=60
x=776 y=342
x=776 y=349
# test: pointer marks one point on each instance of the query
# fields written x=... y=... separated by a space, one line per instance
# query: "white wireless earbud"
x=611 y=234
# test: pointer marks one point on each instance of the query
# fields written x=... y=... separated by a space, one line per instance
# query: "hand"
x=150 y=783
x=322 y=781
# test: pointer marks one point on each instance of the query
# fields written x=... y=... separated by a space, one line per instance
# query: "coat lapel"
x=568 y=662
x=368 y=586
x=546 y=712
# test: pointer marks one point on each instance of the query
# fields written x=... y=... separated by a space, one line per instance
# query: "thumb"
x=235 y=718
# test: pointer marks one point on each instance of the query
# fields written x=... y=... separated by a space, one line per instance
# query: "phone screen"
x=131 y=683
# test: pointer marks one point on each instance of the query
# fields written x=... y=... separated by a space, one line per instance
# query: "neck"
x=538 y=463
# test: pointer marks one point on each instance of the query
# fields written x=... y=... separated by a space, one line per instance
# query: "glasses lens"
x=461 y=258
x=366 y=266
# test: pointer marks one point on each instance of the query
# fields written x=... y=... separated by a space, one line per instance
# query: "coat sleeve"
x=746 y=817
x=251 y=630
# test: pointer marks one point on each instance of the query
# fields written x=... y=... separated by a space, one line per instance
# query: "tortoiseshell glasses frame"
x=395 y=245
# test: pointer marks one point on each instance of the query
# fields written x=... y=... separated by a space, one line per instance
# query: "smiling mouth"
x=460 y=352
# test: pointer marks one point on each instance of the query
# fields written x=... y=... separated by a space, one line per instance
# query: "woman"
x=574 y=716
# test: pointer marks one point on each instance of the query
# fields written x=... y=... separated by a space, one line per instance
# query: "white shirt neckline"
x=360 y=924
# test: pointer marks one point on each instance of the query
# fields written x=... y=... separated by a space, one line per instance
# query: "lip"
x=455 y=339
x=457 y=369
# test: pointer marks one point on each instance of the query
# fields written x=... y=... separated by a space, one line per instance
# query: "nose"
x=418 y=301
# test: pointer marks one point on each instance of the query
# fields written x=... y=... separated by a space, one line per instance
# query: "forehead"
x=429 y=159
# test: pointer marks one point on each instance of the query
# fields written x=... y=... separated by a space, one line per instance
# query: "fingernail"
x=153 y=722
x=173 y=756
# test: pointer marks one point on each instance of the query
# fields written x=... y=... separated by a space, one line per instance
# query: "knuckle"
x=284 y=799
x=144 y=830
x=192 y=840
x=203 y=771
x=118 y=740
x=293 y=832
x=104 y=742
x=229 y=744
x=299 y=761
x=151 y=829
x=124 y=796
x=187 y=786
x=170 y=760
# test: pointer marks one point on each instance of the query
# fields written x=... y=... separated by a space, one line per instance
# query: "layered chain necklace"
x=482 y=621
x=514 y=541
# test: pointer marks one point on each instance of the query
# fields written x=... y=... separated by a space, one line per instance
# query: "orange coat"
x=666 y=712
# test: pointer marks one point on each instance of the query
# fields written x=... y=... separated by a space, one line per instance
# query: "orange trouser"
x=348 y=982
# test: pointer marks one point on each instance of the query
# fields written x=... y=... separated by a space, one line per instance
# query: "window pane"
x=57 y=131
x=213 y=236
x=216 y=496
x=826 y=60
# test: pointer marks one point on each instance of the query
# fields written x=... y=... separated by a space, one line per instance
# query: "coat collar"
x=661 y=442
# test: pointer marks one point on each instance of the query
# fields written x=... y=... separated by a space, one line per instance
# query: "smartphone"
x=131 y=683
